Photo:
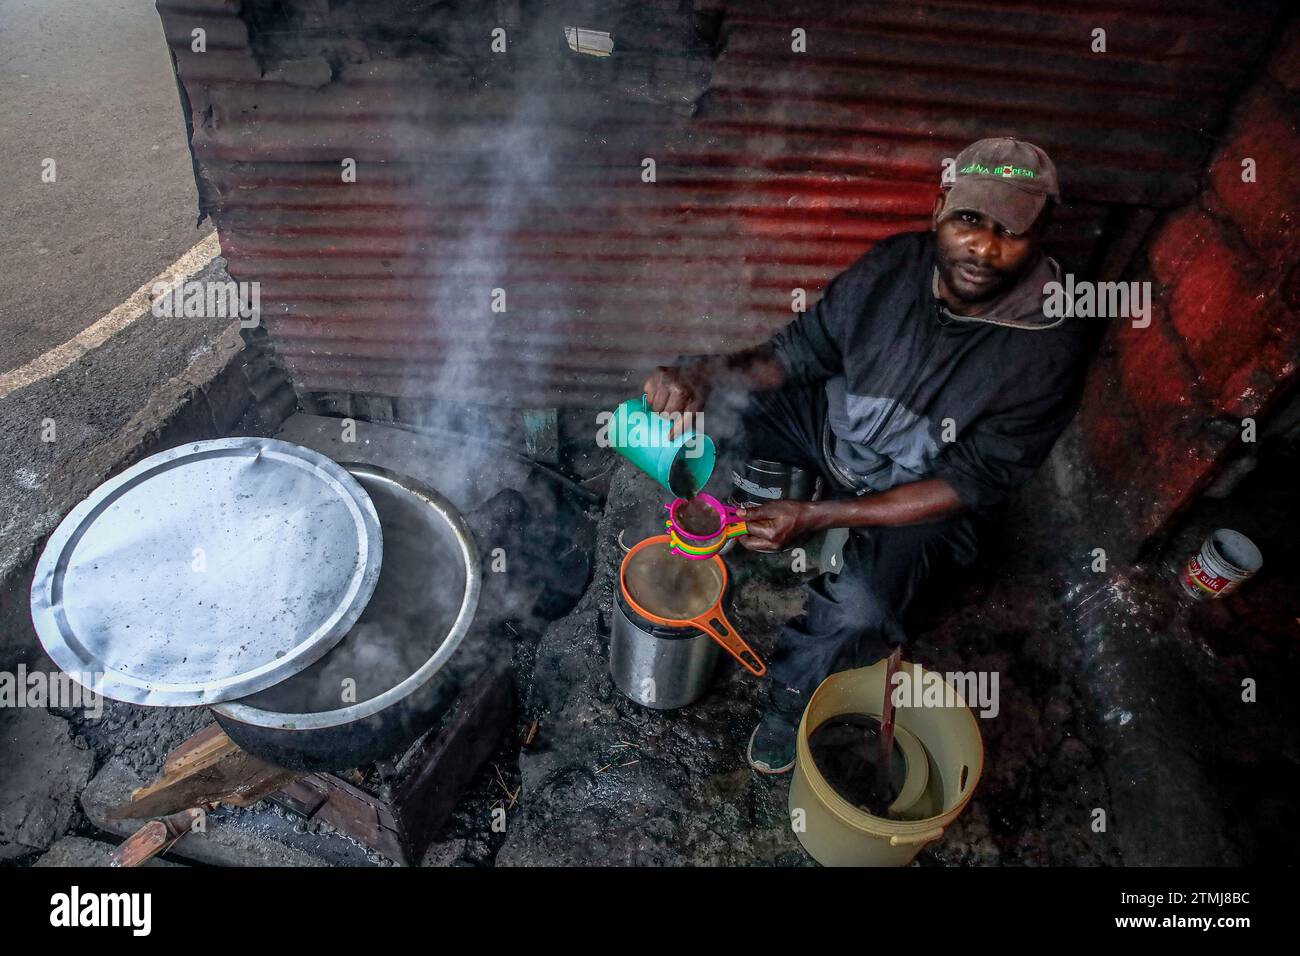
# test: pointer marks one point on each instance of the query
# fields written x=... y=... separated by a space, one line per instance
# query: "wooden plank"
x=303 y=796
x=207 y=768
x=454 y=752
x=361 y=815
x=196 y=747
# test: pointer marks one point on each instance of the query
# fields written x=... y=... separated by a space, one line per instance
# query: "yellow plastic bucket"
x=834 y=831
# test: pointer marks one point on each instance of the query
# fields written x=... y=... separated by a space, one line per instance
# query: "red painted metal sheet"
x=522 y=171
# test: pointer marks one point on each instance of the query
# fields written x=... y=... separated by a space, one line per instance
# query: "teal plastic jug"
x=683 y=464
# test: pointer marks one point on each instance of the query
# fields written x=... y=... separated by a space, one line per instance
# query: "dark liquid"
x=670 y=587
x=846 y=750
x=695 y=517
x=681 y=480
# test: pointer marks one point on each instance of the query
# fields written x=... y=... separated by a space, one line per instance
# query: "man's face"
x=978 y=259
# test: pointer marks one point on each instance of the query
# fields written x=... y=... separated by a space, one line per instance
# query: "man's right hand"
x=673 y=391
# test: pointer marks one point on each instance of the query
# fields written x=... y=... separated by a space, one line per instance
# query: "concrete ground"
x=62 y=434
x=89 y=84
x=88 y=379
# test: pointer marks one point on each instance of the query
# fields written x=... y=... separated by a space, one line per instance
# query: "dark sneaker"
x=772 y=744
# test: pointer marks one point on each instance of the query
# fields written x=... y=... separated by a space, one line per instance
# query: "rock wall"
x=1165 y=404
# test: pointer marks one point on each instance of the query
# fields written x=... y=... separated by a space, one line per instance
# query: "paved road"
x=89 y=84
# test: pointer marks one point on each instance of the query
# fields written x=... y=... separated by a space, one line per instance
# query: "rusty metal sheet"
x=774 y=169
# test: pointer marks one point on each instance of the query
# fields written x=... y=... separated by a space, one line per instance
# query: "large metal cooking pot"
x=406 y=657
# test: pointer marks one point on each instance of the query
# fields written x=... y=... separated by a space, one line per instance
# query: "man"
x=924 y=386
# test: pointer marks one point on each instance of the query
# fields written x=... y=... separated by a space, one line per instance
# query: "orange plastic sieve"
x=685 y=594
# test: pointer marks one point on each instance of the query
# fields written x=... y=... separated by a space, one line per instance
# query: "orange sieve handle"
x=714 y=623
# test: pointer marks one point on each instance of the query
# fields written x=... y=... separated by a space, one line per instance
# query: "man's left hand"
x=773 y=526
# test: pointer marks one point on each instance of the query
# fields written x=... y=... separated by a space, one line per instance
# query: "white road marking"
x=135 y=307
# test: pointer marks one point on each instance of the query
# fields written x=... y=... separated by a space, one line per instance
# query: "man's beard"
x=970 y=291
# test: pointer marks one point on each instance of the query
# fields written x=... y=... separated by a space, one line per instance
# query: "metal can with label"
x=1225 y=560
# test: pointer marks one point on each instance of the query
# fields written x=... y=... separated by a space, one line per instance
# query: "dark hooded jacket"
x=915 y=391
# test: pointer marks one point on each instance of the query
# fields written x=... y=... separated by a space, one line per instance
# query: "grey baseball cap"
x=1008 y=180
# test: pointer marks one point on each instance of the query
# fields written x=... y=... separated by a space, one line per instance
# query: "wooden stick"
x=887 y=719
x=156 y=836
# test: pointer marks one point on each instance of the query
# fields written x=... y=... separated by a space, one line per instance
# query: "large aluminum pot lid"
x=207 y=572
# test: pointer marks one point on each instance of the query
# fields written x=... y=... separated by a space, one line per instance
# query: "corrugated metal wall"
x=522 y=171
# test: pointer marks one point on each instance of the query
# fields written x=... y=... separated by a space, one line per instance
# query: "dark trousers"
x=852 y=618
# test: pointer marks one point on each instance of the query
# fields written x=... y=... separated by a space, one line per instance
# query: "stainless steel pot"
x=657 y=666
x=410 y=644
